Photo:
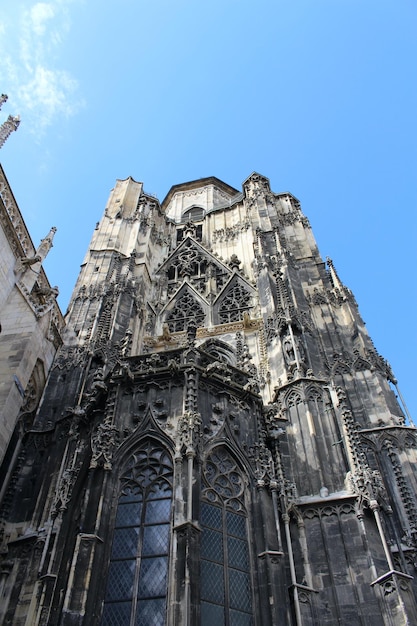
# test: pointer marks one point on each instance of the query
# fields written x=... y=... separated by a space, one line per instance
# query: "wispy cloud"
x=40 y=14
x=30 y=72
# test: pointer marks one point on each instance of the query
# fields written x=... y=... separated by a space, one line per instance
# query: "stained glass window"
x=138 y=572
x=226 y=595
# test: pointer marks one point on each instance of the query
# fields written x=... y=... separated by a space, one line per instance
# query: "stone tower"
x=218 y=442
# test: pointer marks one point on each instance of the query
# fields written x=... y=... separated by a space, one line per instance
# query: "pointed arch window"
x=236 y=301
x=226 y=591
x=185 y=311
x=136 y=593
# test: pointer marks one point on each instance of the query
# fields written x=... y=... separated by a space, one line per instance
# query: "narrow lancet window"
x=226 y=591
x=136 y=593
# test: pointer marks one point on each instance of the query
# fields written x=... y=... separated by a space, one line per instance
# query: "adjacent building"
x=219 y=441
x=30 y=322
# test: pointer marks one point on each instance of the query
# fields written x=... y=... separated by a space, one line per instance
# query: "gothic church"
x=219 y=442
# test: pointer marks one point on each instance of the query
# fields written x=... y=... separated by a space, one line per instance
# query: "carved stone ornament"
x=63 y=491
x=103 y=443
x=264 y=464
x=368 y=484
x=189 y=432
x=42 y=298
x=97 y=387
x=6 y=129
x=24 y=263
x=230 y=232
x=215 y=422
x=345 y=508
x=69 y=357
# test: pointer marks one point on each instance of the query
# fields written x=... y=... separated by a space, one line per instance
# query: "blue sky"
x=318 y=95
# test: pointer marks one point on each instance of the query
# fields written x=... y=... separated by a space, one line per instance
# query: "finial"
x=11 y=124
x=335 y=278
x=6 y=129
x=46 y=243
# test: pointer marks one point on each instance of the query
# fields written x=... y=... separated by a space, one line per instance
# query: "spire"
x=46 y=243
x=33 y=263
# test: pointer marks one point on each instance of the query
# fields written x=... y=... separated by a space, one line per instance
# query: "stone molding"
x=11 y=218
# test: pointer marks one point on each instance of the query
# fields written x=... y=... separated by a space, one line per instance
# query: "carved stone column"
x=187 y=530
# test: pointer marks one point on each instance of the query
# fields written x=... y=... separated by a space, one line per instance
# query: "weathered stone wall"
x=209 y=347
x=29 y=316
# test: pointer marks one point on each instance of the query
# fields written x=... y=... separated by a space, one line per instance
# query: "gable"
x=193 y=262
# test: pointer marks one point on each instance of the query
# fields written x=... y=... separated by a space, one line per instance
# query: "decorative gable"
x=193 y=262
x=186 y=307
x=235 y=299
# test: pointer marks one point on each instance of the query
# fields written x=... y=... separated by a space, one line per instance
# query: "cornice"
x=14 y=225
x=195 y=184
x=21 y=244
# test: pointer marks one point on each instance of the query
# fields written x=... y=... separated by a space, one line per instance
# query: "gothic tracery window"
x=234 y=304
x=190 y=263
x=185 y=311
x=187 y=263
x=202 y=271
x=226 y=596
x=136 y=592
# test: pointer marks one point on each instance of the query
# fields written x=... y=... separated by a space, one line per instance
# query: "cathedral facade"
x=219 y=442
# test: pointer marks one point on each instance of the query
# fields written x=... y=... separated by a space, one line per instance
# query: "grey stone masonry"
x=219 y=442
x=30 y=319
